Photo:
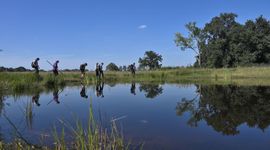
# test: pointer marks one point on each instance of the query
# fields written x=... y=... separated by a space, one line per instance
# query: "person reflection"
x=83 y=92
x=133 y=88
x=99 y=89
x=35 y=98
x=56 y=95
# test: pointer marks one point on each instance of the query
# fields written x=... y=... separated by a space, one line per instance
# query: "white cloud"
x=142 y=26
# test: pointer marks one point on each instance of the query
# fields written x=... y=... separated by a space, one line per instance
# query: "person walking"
x=82 y=69
x=55 y=68
x=101 y=74
x=97 y=71
x=133 y=69
x=35 y=65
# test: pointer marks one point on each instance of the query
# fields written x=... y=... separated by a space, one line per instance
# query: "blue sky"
x=120 y=31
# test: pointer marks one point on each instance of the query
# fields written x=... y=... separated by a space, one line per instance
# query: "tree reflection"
x=225 y=108
x=151 y=90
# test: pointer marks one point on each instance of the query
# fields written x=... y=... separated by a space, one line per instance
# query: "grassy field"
x=238 y=76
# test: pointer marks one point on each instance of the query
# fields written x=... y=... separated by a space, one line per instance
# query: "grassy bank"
x=239 y=76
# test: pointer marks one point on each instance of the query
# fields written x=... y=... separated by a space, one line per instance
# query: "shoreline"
x=246 y=76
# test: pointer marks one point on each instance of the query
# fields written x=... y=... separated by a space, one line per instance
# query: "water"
x=163 y=116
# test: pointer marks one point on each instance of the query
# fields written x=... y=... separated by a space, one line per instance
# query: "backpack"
x=82 y=67
x=33 y=65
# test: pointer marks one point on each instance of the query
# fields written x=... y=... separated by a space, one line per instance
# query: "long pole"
x=50 y=63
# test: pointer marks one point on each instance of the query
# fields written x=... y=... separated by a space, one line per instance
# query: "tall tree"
x=194 y=41
x=223 y=42
x=219 y=35
x=151 y=59
x=112 y=67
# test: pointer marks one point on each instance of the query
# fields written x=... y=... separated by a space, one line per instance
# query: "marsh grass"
x=243 y=75
x=15 y=145
x=90 y=137
x=52 y=81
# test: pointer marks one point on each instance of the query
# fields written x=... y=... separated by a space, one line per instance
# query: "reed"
x=90 y=137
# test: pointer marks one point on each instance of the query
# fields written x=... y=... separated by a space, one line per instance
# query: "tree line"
x=224 y=42
x=150 y=61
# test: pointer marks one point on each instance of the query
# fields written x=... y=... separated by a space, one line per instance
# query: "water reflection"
x=55 y=95
x=83 y=92
x=35 y=98
x=99 y=89
x=29 y=115
x=133 y=88
x=225 y=108
x=151 y=90
x=2 y=98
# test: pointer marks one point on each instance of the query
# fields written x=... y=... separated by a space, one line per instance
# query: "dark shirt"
x=55 y=66
x=82 y=67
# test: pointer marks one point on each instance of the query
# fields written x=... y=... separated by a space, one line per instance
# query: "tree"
x=120 y=68
x=258 y=39
x=194 y=41
x=151 y=59
x=112 y=67
x=218 y=51
x=223 y=42
x=129 y=68
x=124 y=68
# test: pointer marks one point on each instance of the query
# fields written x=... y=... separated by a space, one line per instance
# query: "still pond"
x=162 y=116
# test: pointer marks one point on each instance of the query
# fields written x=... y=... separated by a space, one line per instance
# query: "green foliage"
x=194 y=41
x=151 y=59
x=223 y=42
x=112 y=67
x=226 y=108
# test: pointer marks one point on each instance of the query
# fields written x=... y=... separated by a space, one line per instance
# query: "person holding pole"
x=82 y=69
x=55 y=68
x=35 y=65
